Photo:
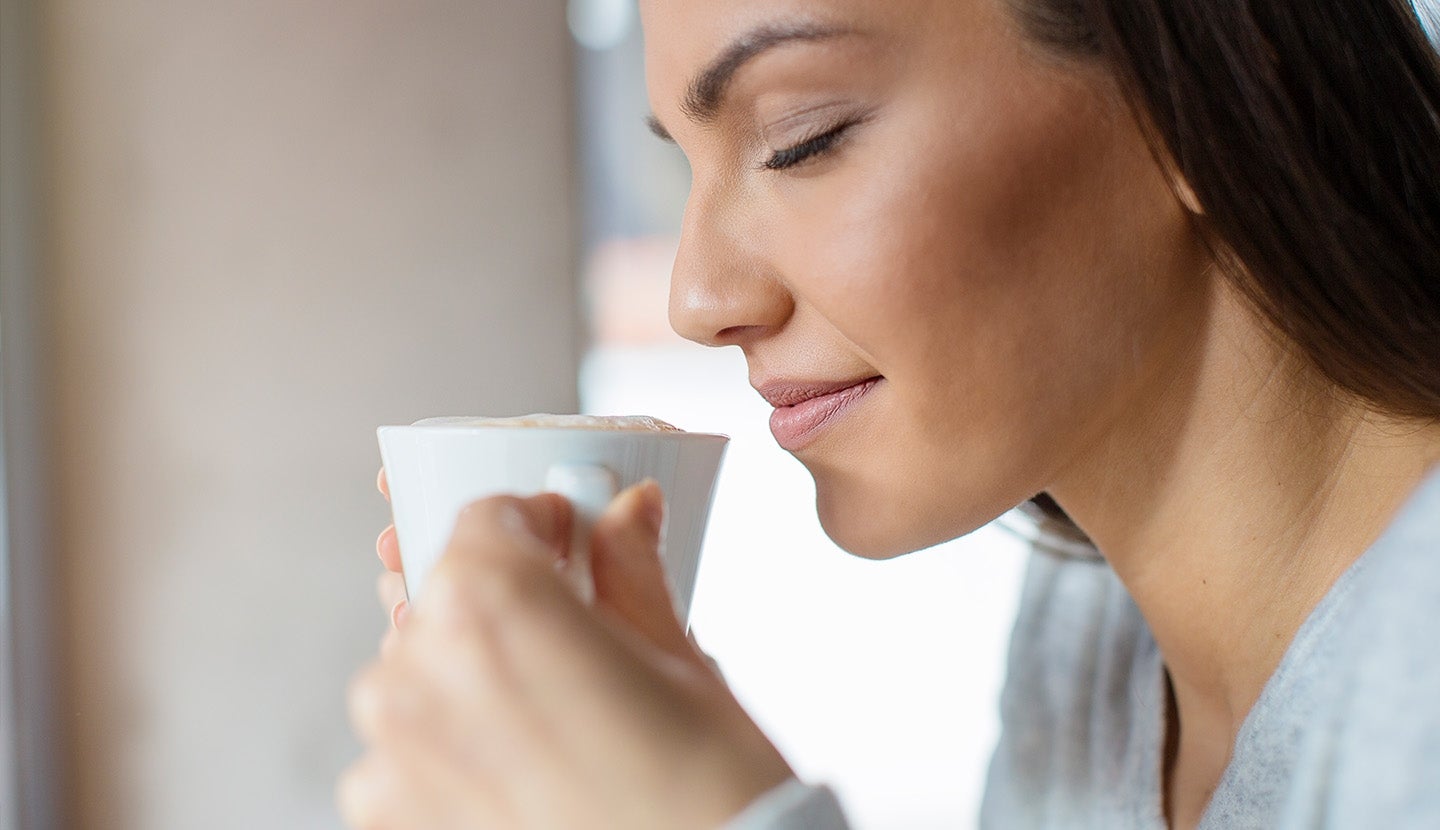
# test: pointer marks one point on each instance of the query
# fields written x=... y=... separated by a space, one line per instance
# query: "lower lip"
x=794 y=427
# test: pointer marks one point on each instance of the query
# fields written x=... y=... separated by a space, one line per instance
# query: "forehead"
x=682 y=36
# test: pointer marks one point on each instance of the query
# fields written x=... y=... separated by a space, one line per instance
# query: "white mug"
x=436 y=468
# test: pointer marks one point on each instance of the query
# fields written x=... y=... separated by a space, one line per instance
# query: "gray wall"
x=28 y=674
x=273 y=225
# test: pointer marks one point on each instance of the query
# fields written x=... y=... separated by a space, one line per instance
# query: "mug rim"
x=677 y=434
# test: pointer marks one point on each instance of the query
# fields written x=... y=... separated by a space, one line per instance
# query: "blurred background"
x=236 y=237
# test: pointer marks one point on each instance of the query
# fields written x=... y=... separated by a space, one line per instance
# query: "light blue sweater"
x=1345 y=734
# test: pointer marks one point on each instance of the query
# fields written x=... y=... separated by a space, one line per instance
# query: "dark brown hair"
x=1310 y=132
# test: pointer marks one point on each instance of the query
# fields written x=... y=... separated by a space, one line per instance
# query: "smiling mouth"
x=804 y=410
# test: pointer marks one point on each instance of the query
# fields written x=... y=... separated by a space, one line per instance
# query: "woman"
x=1174 y=264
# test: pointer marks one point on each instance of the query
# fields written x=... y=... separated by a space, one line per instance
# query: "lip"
x=804 y=409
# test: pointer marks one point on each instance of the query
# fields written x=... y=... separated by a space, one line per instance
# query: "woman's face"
x=907 y=202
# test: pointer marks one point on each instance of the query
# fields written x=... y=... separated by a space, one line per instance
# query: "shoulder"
x=1392 y=632
x=1076 y=634
x=1379 y=759
x=1080 y=702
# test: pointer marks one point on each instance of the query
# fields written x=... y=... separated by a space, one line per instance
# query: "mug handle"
x=590 y=488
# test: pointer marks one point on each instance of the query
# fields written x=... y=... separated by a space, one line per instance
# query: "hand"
x=390 y=587
x=504 y=701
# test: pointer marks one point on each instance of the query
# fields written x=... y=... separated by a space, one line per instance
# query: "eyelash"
x=808 y=149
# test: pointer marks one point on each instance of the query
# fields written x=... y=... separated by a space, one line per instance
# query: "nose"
x=723 y=291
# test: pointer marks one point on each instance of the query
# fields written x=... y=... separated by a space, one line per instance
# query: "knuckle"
x=389 y=588
x=485 y=514
x=478 y=590
x=349 y=794
x=449 y=599
x=356 y=794
x=485 y=596
x=514 y=585
x=371 y=703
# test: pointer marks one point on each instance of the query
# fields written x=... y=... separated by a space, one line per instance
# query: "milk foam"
x=545 y=420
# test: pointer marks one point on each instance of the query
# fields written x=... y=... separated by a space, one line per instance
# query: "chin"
x=868 y=519
x=873 y=529
x=864 y=542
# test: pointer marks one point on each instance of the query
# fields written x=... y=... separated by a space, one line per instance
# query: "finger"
x=500 y=560
x=394 y=700
x=390 y=588
x=363 y=792
x=403 y=788
x=503 y=523
x=374 y=703
x=625 y=561
x=496 y=597
x=497 y=601
x=389 y=642
x=501 y=629
x=443 y=738
x=387 y=547
x=409 y=697
x=383 y=484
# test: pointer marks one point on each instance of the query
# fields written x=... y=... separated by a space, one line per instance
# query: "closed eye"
x=808 y=149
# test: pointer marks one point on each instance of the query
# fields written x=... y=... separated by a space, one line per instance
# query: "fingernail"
x=386 y=536
x=398 y=612
x=652 y=505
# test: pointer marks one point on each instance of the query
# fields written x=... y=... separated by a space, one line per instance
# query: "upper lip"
x=782 y=392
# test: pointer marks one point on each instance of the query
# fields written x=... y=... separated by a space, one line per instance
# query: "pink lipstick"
x=803 y=410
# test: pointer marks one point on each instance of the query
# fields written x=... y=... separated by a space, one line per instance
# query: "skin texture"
x=946 y=243
x=991 y=236
x=504 y=701
x=997 y=240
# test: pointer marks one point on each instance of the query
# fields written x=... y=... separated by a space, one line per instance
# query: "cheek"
x=882 y=491
x=1009 y=277
x=976 y=240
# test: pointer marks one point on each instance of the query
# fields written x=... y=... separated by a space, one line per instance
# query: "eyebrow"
x=707 y=90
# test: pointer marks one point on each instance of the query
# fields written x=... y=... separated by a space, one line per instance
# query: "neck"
x=1228 y=498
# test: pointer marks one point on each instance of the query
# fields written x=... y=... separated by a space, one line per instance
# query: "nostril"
x=738 y=335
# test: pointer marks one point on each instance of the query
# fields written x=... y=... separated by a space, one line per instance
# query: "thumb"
x=625 y=565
